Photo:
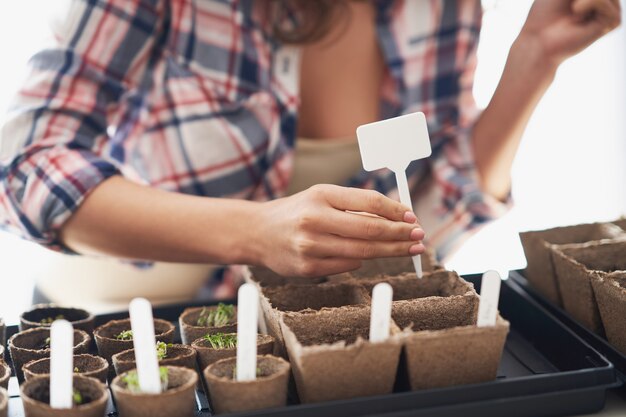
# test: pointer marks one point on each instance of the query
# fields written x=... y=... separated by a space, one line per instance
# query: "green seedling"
x=131 y=379
x=50 y=320
x=77 y=397
x=222 y=340
x=76 y=370
x=221 y=316
x=161 y=349
x=45 y=344
x=125 y=335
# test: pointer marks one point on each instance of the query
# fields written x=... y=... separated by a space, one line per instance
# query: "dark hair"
x=315 y=18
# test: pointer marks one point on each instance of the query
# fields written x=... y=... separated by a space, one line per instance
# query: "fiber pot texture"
x=332 y=358
x=178 y=400
x=5 y=374
x=4 y=402
x=40 y=315
x=108 y=345
x=275 y=301
x=575 y=265
x=177 y=355
x=88 y=365
x=267 y=391
x=28 y=345
x=540 y=271
x=190 y=331
x=394 y=266
x=455 y=354
x=36 y=398
x=208 y=355
x=610 y=292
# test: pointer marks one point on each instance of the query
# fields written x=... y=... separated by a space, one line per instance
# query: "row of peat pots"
x=582 y=269
x=318 y=340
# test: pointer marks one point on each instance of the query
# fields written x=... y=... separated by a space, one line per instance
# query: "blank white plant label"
x=489 y=296
x=380 y=319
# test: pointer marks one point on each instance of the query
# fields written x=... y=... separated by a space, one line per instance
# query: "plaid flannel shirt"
x=195 y=96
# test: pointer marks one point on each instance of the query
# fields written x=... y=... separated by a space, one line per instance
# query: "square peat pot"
x=540 y=271
x=276 y=301
x=575 y=265
x=610 y=292
x=331 y=356
x=458 y=355
x=439 y=300
x=395 y=266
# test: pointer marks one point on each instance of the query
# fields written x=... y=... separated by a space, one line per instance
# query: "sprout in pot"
x=196 y=322
x=42 y=315
x=213 y=347
x=84 y=364
x=168 y=354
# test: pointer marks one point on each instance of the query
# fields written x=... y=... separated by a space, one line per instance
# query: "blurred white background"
x=571 y=167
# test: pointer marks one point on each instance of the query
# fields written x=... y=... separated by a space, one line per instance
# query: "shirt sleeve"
x=450 y=203
x=55 y=148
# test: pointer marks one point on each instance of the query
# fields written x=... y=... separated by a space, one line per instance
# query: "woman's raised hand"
x=329 y=229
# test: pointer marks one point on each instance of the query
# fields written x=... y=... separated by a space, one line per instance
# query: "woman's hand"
x=315 y=232
x=562 y=28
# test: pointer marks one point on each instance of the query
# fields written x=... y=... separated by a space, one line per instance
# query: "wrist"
x=529 y=55
x=247 y=246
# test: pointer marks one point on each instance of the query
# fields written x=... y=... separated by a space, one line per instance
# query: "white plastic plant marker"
x=61 y=364
x=394 y=144
x=144 y=342
x=489 y=296
x=247 y=319
x=380 y=318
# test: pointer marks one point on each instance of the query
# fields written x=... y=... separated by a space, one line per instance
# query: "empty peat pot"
x=190 y=330
x=540 y=270
x=208 y=354
x=84 y=365
x=276 y=301
x=5 y=374
x=610 y=292
x=177 y=355
x=178 y=400
x=33 y=344
x=42 y=315
x=333 y=359
x=36 y=398
x=575 y=266
x=4 y=402
x=268 y=390
x=109 y=345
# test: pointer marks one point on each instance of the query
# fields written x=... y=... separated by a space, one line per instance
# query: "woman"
x=165 y=130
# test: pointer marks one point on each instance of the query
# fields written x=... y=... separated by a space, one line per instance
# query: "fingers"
x=369 y=201
x=358 y=226
x=605 y=13
x=322 y=246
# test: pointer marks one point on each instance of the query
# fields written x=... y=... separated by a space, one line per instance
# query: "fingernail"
x=410 y=217
x=417 y=234
x=416 y=249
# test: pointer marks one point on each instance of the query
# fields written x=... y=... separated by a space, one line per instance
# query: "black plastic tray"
x=546 y=370
x=599 y=343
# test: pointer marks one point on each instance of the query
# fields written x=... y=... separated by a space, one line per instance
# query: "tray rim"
x=596 y=342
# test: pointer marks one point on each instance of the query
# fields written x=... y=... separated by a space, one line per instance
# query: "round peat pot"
x=84 y=365
x=208 y=354
x=30 y=345
x=178 y=400
x=108 y=345
x=5 y=374
x=4 y=402
x=36 y=398
x=189 y=329
x=42 y=315
x=2 y=349
x=267 y=391
x=177 y=355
